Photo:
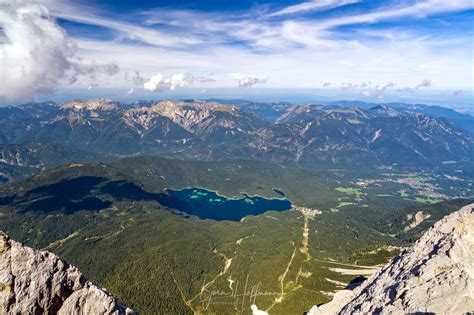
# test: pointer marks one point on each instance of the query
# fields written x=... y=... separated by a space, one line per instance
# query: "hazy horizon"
x=462 y=102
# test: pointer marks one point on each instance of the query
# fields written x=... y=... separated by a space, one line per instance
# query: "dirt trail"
x=282 y=277
x=305 y=243
x=206 y=285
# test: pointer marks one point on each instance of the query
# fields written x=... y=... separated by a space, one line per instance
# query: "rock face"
x=38 y=282
x=435 y=275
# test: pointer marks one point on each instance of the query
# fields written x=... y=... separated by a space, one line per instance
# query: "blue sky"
x=365 y=48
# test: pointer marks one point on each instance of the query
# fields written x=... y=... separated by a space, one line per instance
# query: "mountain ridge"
x=311 y=136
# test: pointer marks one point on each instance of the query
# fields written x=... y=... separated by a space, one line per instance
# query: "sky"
x=370 y=50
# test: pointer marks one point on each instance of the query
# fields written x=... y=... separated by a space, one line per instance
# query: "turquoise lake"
x=207 y=204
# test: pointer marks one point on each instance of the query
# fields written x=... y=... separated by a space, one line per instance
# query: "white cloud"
x=298 y=68
x=93 y=85
x=36 y=53
x=418 y=10
x=135 y=77
x=348 y=86
x=87 y=15
x=246 y=82
x=263 y=32
x=365 y=93
x=158 y=83
x=425 y=83
x=383 y=86
x=315 y=5
x=303 y=49
x=205 y=79
x=130 y=91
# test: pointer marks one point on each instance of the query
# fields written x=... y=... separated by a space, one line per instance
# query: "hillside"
x=21 y=160
x=432 y=276
x=97 y=216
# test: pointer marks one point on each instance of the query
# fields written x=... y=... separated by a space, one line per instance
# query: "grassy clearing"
x=404 y=194
x=427 y=200
x=343 y=204
x=351 y=191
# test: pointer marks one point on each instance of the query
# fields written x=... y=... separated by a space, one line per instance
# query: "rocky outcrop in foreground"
x=38 y=282
x=435 y=275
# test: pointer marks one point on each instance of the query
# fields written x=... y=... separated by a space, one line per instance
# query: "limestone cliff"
x=435 y=275
x=38 y=282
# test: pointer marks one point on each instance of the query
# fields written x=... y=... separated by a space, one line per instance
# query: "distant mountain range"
x=109 y=127
x=360 y=138
x=271 y=111
x=341 y=134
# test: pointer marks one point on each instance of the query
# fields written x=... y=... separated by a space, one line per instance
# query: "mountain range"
x=394 y=136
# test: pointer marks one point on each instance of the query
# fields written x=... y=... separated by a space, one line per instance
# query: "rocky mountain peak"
x=174 y=107
x=93 y=104
x=38 y=282
x=435 y=275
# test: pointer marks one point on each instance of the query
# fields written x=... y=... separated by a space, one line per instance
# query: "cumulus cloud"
x=36 y=52
x=110 y=69
x=348 y=86
x=425 y=83
x=205 y=79
x=135 y=77
x=158 y=82
x=246 y=81
x=365 y=93
x=383 y=86
x=130 y=91
x=250 y=81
